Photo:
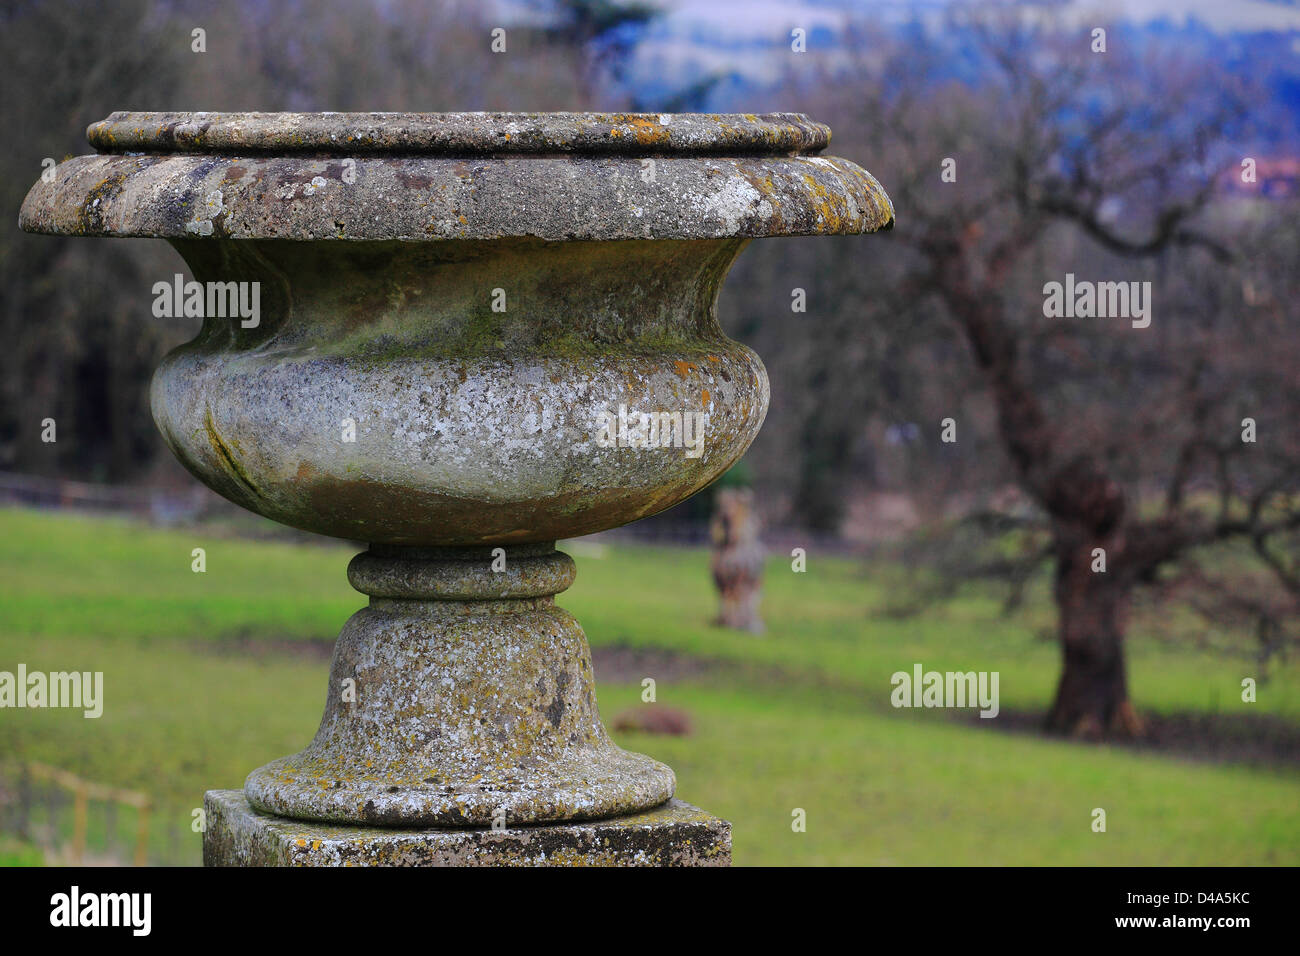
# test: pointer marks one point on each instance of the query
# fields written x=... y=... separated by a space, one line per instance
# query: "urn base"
x=462 y=696
x=672 y=834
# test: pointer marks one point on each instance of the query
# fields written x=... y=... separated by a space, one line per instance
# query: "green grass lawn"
x=807 y=726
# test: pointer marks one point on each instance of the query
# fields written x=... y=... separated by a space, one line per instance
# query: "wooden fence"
x=82 y=793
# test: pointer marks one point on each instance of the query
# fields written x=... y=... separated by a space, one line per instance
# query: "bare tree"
x=1131 y=442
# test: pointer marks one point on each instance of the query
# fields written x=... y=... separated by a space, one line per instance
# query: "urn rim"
x=460 y=133
x=422 y=177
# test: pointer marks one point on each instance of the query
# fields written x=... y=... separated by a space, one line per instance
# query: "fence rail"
x=160 y=504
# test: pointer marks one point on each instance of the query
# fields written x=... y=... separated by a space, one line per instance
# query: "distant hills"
x=725 y=54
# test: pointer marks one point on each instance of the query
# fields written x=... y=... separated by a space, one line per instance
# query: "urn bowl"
x=470 y=328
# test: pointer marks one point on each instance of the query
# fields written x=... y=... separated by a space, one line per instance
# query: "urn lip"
x=460 y=134
x=425 y=177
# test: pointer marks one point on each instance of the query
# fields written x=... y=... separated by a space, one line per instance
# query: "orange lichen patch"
x=684 y=368
x=832 y=208
x=648 y=132
x=705 y=397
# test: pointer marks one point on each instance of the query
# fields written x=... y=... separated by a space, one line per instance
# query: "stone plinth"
x=674 y=834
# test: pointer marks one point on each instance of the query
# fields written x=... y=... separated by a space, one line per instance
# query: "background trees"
x=1130 y=446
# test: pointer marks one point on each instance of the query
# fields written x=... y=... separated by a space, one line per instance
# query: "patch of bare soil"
x=630 y=665
x=261 y=648
x=652 y=720
x=1261 y=739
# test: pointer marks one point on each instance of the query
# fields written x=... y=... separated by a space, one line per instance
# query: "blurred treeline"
x=863 y=378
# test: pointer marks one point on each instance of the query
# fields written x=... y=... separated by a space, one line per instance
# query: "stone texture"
x=472 y=426
x=428 y=198
x=675 y=834
x=459 y=134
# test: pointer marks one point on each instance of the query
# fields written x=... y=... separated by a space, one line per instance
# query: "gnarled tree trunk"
x=1086 y=507
x=1092 y=695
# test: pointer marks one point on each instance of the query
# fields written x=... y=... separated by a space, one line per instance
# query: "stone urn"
x=458 y=338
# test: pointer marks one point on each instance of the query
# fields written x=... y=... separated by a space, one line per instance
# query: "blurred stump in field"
x=737 y=559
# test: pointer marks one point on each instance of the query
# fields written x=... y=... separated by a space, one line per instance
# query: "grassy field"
x=203 y=684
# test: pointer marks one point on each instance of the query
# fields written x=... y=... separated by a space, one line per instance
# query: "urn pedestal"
x=473 y=335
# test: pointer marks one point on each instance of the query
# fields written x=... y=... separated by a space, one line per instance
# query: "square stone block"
x=674 y=834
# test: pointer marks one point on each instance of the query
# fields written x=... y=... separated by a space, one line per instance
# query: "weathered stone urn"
x=475 y=334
